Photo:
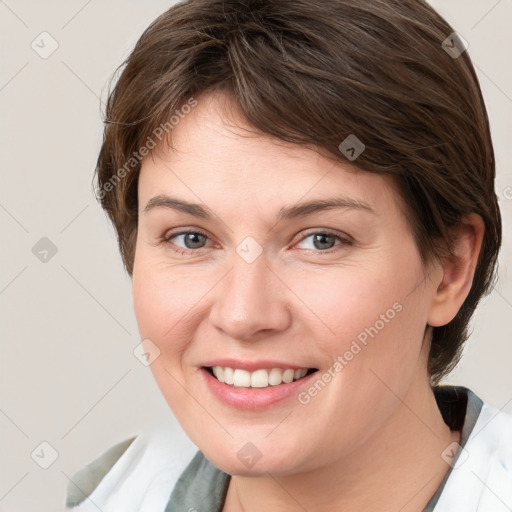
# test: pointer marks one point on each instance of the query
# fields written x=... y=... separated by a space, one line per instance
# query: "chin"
x=246 y=459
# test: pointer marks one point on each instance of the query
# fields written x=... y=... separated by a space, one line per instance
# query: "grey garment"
x=203 y=487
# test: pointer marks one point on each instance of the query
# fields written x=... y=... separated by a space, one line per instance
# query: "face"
x=251 y=281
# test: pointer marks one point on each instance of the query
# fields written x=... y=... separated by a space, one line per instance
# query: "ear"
x=458 y=272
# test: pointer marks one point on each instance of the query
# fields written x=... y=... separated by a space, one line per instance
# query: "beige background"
x=68 y=373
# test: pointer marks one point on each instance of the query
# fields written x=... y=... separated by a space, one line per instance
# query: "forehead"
x=214 y=153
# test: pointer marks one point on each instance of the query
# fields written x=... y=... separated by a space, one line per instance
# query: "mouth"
x=259 y=378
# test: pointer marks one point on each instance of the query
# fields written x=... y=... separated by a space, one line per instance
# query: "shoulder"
x=493 y=435
x=137 y=472
x=481 y=478
x=87 y=479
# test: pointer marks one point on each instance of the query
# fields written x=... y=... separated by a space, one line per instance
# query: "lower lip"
x=253 y=398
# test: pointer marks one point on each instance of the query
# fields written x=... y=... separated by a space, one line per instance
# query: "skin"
x=376 y=425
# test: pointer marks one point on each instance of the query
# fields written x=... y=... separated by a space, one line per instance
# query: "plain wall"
x=68 y=374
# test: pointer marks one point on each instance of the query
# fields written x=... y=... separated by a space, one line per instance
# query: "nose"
x=251 y=301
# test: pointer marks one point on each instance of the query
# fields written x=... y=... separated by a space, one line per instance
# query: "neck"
x=399 y=468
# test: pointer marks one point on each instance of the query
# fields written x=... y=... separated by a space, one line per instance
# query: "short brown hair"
x=314 y=72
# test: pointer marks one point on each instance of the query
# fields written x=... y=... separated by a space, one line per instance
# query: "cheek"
x=163 y=299
x=370 y=323
x=162 y=306
x=360 y=304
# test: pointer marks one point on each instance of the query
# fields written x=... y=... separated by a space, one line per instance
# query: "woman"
x=240 y=138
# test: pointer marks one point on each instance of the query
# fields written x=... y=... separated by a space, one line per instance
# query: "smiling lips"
x=260 y=378
x=254 y=384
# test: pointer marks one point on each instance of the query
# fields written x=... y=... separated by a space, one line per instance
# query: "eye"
x=323 y=241
x=193 y=240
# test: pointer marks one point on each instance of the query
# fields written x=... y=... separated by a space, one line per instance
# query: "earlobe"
x=458 y=271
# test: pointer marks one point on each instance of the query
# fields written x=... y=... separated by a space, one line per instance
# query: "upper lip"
x=252 y=365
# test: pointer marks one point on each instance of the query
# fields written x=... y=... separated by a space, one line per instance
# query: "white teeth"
x=218 y=371
x=228 y=375
x=275 y=376
x=257 y=379
x=241 y=379
x=288 y=376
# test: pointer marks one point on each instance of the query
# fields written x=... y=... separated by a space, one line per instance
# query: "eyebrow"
x=285 y=213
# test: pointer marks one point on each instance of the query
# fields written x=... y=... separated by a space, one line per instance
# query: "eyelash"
x=166 y=240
